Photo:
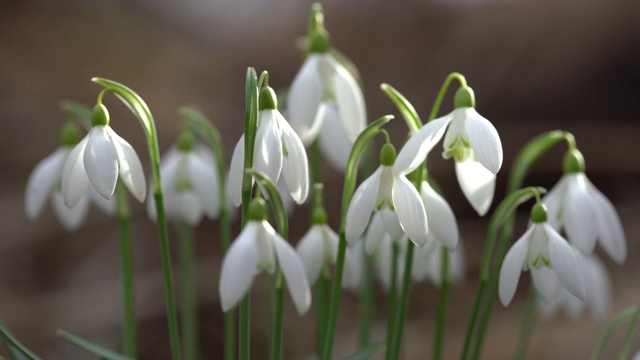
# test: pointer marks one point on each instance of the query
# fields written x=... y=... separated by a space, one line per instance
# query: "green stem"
x=474 y=316
x=366 y=300
x=188 y=299
x=392 y=297
x=401 y=309
x=628 y=339
x=614 y=325
x=276 y=330
x=442 y=304
x=126 y=255
x=443 y=92
x=527 y=325
x=322 y=306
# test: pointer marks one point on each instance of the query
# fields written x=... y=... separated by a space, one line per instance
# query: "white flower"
x=98 y=159
x=326 y=101
x=258 y=248
x=44 y=182
x=474 y=144
x=597 y=291
x=319 y=247
x=431 y=267
x=443 y=226
x=388 y=192
x=586 y=216
x=543 y=251
x=278 y=150
x=190 y=185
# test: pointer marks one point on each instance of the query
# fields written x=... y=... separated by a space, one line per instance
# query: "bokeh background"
x=535 y=65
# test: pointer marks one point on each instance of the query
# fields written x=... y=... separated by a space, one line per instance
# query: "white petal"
x=101 y=161
x=458 y=264
x=512 y=266
x=565 y=263
x=268 y=156
x=484 y=140
x=74 y=177
x=416 y=149
x=294 y=274
x=546 y=282
x=441 y=220
x=350 y=101
x=187 y=207
x=311 y=252
x=361 y=206
x=410 y=210
x=353 y=267
x=130 y=168
x=579 y=216
x=151 y=205
x=295 y=167
x=304 y=98
x=108 y=206
x=375 y=234
x=239 y=266
x=612 y=238
x=391 y=223
x=477 y=184
x=236 y=172
x=204 y=180
x=599 y=292
x=334 y=141
x=71 y=218
x=44 y=177
x=554 y=200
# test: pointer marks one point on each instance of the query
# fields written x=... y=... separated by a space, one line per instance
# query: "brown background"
x=534 y=65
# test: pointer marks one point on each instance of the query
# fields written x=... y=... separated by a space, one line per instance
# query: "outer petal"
x=311 y=251
x=477 y=184
x=416 y=149
x=612 y=238
x=305 y=96
x=599 y=292
x=442 y=221
x=354 y=263
x=239 y=266
x=410 y=209
x=546 y=283
x=512 y=267
x=335 y=144
x=484 y=140
x=71 y=218
x=74 y=176
x=101 y=161
x=294 y=273
x=267 y=154
x=204 y=180
x=108 y=206
x=375 y=234
x=554 y=200
x=235 y=173
x=579 y=216
x=130 y=167
x=391 y=223
x=565 y=264
x=295 y=167
x=350 y=101
x=361 y=206
x=187 y=207
x=42 y=180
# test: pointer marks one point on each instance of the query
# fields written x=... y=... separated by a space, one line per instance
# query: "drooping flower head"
x=99 y=159
x=472 y=141
x=278 y=152
x=259 y=248
x=45 y=182
x=584 y=213
x=543 y=251
x=190 y=182
x=325 y=101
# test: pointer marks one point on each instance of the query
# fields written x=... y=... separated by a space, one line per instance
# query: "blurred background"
x=535 y=65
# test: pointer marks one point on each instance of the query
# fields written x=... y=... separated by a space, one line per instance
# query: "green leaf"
x=15 y=346
x=407 y=110
x=275 y=200
x=77 y=111
x=99 y=351
x=368 y=351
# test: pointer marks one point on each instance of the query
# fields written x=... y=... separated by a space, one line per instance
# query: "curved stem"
x=442 y=304
x=614 y=325
x=443 y=91
x=392 y=297
x=628 y=339
x=126 y=255
x=367 y=305
x=401 y=309
x=527 y=325
x=188 y=300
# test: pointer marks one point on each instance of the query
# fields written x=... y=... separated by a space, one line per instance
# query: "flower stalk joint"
x=99 y=115
x=185 y=141
x=539 y=213
x=388 y=155
x=268 y=99
x=69 y=135
x=258 y=210
x=573 y=162
x=319 y=39
x=464 y=98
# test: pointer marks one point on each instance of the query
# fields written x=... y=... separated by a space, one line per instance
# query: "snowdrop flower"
x=278 y=151
x=319 y=247
x=98 y=159
x=431 y=268
x=472 y=141
x=258 y=248
x=44 y=183
x=597 y=285
x=190 y=183
x=388 y=192
x=542 y=250
x=584 y=213
x=325 y=101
